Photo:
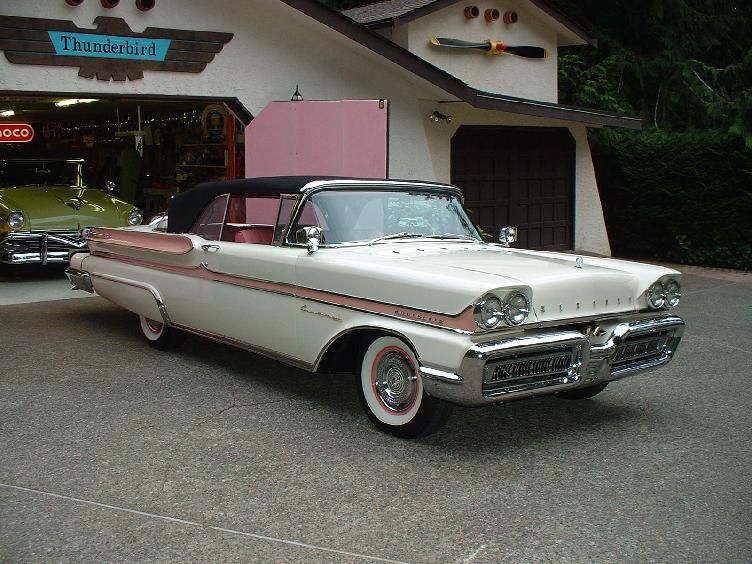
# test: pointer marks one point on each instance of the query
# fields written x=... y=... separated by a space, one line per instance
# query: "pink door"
x=331 y=138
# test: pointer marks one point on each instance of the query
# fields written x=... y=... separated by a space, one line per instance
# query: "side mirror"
x=109 y=185
x=310 y=236
x=507 y=235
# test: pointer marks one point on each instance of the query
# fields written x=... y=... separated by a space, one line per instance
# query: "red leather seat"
x=257 y=235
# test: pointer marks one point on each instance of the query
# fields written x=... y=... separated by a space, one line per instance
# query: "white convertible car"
x=388 y=280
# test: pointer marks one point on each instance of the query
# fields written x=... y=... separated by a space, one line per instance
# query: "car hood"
x=64 y=207
x=448 y=277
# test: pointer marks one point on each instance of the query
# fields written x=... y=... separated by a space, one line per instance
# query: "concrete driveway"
x=112 y=451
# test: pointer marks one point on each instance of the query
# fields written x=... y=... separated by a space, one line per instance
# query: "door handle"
x=210 y=248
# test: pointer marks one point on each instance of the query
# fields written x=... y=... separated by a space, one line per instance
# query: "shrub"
x=681 y=197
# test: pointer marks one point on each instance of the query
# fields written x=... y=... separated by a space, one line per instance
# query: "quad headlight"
x=16 y=219
x=673 y=293
x=665 y=294
x=518 y=308
x=492 y=311
x=135 y=217
x=489 y=312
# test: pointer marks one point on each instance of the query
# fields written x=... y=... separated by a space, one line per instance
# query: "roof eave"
x=440 y=4
x=451 y=84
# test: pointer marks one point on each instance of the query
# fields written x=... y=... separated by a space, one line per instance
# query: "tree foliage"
x=681 y=64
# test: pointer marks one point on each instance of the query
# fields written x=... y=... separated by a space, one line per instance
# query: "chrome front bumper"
x=39 y=247
x=544 y=363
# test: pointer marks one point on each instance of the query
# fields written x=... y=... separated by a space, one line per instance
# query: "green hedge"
x=680 y=197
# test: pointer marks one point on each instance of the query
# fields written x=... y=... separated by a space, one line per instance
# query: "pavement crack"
x=473 y=555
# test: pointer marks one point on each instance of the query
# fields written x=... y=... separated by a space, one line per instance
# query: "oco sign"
x=16 y=133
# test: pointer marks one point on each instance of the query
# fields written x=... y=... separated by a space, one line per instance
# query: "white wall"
x=535 y=79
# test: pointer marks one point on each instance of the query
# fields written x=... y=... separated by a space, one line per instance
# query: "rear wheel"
x=159 y=335
x=583 y=393
x=391 y=391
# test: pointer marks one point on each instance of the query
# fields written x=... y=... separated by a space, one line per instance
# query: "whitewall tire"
x=159 y=335
x=391 y=391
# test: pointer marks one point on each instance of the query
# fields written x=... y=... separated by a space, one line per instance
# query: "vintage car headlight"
x=657 y=296
x=15 y=219
x=135 y=217
x=489 y=312
x=673 y=293
x=518 y=309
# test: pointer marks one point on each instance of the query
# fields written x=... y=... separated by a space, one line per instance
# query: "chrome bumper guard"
x=79 y=279
x=39 y=247
x=546 y=363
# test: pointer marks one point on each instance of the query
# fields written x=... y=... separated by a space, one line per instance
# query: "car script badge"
x=578 y=262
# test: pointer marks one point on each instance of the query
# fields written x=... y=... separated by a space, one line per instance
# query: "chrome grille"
x=527 y=371
x=40 y=246
x=641 y=349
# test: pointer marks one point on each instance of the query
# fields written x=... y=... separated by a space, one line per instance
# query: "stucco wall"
x=505 y=74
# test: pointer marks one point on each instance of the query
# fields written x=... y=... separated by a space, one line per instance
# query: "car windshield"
x=374 y=216
x=38 y=173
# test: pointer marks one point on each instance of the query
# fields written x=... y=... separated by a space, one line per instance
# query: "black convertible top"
x=187 y=206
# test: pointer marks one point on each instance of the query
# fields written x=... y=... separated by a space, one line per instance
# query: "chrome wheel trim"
x=394 y=379
x=373 y=398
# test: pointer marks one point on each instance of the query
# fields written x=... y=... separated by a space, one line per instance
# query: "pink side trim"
x=465 y=321
x=159 y=242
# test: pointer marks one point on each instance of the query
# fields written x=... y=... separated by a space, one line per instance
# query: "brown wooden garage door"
x=519 y=176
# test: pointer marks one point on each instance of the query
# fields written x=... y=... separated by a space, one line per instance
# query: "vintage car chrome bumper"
x=544 y=363
x=39 y=247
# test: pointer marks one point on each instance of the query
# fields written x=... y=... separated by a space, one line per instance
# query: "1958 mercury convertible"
x=388 y=280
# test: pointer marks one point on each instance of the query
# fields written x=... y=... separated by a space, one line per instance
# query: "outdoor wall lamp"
x=297 y=96
x=437 y=116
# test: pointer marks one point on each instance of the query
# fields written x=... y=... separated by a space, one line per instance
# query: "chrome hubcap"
x=395 y=383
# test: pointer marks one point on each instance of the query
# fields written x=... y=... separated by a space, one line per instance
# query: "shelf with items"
x=209 y=150
x=200 y=162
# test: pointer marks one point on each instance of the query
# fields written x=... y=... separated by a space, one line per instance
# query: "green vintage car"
x=44 y=205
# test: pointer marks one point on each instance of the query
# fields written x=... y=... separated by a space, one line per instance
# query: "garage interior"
x=151 y=148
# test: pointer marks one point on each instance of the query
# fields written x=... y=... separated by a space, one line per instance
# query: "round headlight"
x=135 y=217
x=517 y=309
x=15 y=219
x=657 y=296
x=673 y=293
x=489 y=312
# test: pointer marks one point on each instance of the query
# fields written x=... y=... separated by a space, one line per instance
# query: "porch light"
x=437 y=116
x=297 y=96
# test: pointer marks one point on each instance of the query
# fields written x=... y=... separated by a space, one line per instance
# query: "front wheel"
x=582 y=393
x=159 y=335
x=391 y=391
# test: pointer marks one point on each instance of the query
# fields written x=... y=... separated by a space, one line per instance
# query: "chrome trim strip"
x=436 y=374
